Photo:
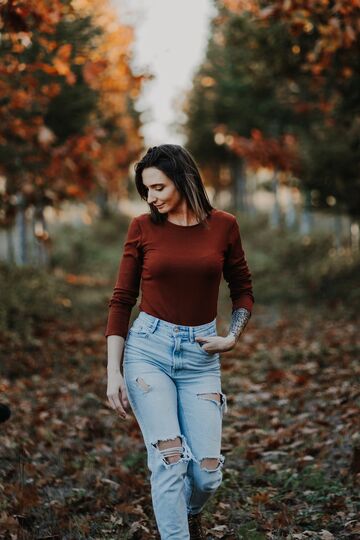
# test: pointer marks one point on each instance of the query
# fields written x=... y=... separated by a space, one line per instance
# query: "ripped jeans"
x=174 y=389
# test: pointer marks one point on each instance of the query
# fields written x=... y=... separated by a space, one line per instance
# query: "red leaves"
x=283 y=376
x=259 y=151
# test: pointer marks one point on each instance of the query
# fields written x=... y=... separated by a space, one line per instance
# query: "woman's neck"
x=184 y=217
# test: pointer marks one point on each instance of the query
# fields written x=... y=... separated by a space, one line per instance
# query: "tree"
x=281 y=90
x=68 y=124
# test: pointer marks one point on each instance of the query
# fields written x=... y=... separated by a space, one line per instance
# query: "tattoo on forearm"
x=239 y=319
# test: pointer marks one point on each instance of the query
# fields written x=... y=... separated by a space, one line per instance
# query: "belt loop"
x=154 y=324
x=192 y=339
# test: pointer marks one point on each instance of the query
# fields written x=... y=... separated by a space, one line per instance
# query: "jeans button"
x=176 y=329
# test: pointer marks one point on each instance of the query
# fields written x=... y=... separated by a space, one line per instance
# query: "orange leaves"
x=87 y=143
x=49 y=69
x=74 y=191
x=64 y=52
x=62 y=63
x=51 y=90
x=240 y=6
x=20 y=99
x=62 y=68
x=20 y=14
x=39 y=61
x=107 y=68
x=19 y=127
x=261 y=497
x=84 y=279
x=207 y=82
x=92 y=70
x=334 y=26
x=47 y=44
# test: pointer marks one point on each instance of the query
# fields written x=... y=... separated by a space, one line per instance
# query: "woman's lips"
x=160 y=205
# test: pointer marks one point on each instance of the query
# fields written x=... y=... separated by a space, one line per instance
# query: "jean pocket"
x=139 y=330
x=200 y=345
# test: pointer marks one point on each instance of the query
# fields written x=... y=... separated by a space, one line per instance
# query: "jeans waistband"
x=152 y=323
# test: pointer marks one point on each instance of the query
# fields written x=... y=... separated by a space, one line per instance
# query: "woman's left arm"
x=239 y=319
x=238 y=276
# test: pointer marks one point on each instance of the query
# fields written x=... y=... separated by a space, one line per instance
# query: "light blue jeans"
x=168 y=377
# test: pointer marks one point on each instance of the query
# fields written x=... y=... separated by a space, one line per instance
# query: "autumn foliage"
x=67 y=117
x=278 y=88
x=321 y=31
x=324 y=35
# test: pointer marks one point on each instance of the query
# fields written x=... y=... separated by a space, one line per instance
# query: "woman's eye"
x=159 y=189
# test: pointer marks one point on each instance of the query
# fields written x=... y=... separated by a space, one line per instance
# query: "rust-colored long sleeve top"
x=180 y=269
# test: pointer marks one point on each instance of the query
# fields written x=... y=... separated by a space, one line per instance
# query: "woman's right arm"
x=115 y=349
x=123 y=299
x=116 y=391
x=126 y=289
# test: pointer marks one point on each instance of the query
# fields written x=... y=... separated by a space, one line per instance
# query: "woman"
x=178 y=251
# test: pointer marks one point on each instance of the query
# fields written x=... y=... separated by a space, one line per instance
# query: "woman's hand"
x=116 y=392
x=216 y=344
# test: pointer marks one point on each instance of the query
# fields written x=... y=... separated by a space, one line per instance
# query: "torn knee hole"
x=214 y=395
x=210 y=463
x=170 y=449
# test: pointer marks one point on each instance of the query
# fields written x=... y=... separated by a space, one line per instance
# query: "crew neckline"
x=188 y=226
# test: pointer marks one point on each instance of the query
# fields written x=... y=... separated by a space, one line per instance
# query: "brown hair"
x=179 y=166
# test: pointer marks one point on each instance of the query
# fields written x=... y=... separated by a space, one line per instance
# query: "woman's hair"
x=179 y=166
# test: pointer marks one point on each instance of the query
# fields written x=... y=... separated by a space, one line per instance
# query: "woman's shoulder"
x=223 y=217
x=142 y=218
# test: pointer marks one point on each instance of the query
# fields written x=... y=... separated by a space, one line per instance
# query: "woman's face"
x=162 y=191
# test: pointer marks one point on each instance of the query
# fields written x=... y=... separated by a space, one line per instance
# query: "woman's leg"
x=153 y=398
x=201 y=408
x=202 y=405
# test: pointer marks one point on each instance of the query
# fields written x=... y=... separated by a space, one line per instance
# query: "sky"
x=170 y=42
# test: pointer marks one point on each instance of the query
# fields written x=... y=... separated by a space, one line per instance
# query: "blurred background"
x=265 y=95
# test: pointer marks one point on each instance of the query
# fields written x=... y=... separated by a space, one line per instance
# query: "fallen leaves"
x=290 y=439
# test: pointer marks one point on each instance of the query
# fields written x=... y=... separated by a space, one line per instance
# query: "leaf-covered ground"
x=70 y=468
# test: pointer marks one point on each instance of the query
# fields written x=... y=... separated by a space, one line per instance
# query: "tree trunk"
x=41 y=236
x=10 y=252
x=22 y=230
x=275 y=218
x=239 y=184
x=306 y=220
x=355 y=237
